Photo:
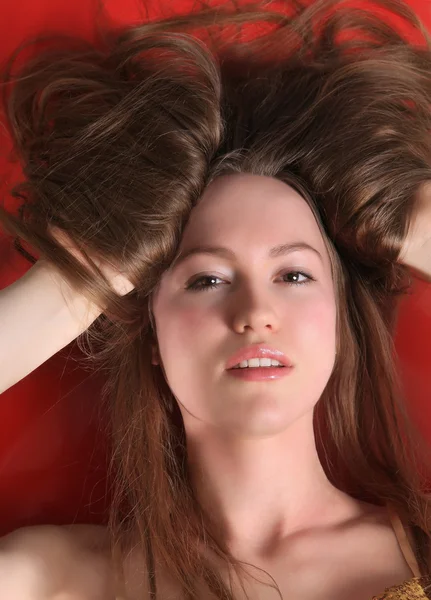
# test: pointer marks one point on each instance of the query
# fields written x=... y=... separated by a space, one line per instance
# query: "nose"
x=253 y=310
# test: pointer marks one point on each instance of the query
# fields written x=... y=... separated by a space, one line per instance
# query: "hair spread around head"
x=118 y=139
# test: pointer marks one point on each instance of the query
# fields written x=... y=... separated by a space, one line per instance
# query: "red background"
x=52 y=452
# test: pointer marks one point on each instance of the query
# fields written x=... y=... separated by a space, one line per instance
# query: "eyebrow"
x=227 y=253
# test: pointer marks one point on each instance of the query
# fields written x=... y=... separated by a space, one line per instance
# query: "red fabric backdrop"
x=52 y=453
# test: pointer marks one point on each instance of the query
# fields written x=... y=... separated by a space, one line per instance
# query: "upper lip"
x=257 y=351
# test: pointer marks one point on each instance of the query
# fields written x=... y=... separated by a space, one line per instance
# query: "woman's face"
x=215 y=302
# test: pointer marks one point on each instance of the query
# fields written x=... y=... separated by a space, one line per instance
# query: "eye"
x=204 y=282
x=296 y=276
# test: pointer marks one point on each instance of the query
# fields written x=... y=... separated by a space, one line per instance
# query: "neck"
x=259 y=491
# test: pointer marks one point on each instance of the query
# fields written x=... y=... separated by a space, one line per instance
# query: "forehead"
x=244 y=210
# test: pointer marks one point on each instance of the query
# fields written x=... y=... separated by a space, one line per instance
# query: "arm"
x=416 y=251
x=39 y=315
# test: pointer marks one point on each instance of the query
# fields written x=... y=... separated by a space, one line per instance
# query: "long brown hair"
x=118 y=140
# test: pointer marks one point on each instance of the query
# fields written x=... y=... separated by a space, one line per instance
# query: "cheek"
x=181 y=329
x=186 y=322
x=314 y=347
x=315 y=326
x=191 y=320
x=184 y=335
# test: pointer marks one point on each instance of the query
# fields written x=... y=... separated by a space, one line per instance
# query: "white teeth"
x=275 y=363
x=258 y=362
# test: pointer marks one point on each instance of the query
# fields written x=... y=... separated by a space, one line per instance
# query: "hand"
x=416 y=250
x=118 y=281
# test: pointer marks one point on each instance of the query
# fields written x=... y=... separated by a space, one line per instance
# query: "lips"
x=257 y=351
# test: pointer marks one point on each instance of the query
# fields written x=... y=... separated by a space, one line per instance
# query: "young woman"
x=226 y=226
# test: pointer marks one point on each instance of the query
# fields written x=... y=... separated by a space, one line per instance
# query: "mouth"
x=259 y=373
x=258 y=367
x=258 y=356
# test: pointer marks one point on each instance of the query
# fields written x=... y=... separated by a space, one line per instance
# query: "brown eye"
x=205 y=282
x=297 y=278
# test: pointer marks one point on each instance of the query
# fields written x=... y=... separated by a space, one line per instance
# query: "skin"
x=416 y=250
x=251 y=445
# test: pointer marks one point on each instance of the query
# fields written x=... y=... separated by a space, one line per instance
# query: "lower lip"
x=260 y=373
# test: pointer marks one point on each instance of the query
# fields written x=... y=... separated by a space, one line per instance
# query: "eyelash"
x=194 y=286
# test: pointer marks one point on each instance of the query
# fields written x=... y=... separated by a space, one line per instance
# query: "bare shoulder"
x=48 y=561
